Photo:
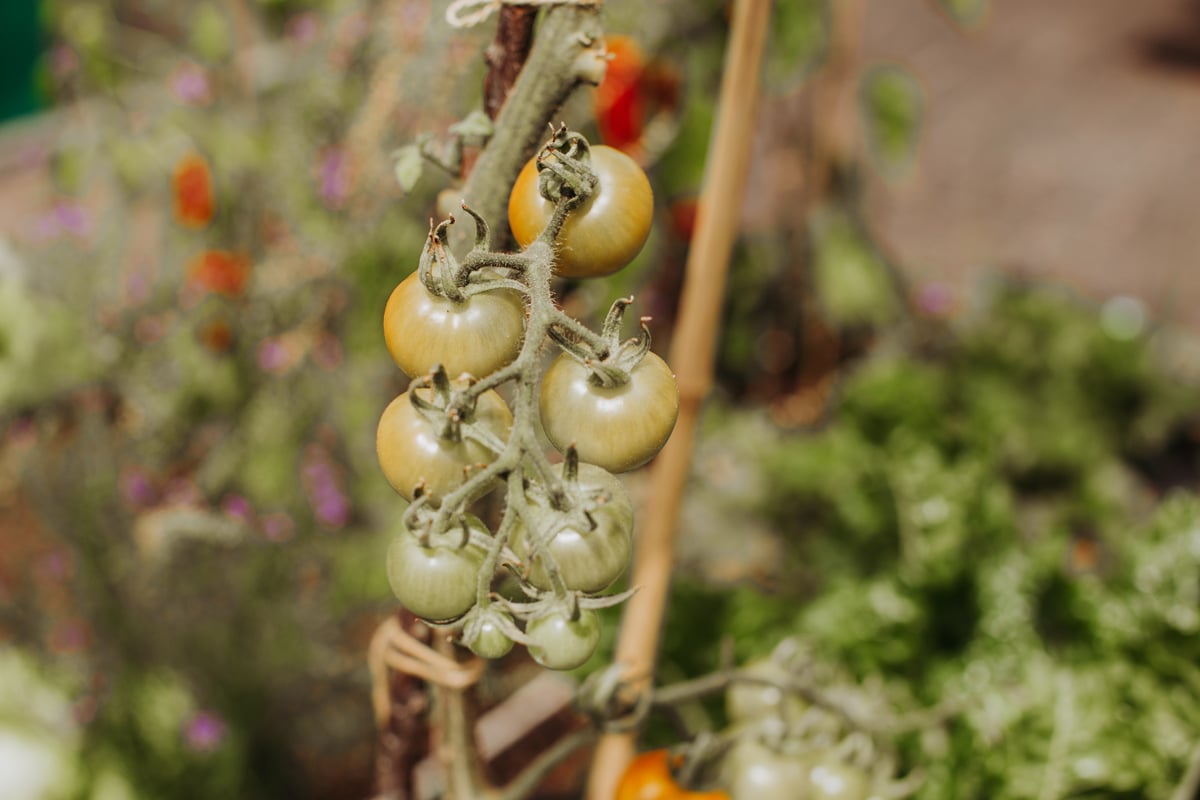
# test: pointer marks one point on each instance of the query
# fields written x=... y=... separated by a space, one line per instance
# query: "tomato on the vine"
x=746 y=701
x=618 y=428
x=560 y=642
x=438 y=581
x=605 y=232
x=478 y=336
x=411 y=450
x=834 y=779
x=489 y=640
x=588 y=559
x=648 y=777
x=754 y=771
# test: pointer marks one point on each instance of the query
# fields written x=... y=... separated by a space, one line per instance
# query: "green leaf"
x=476 y=125
x=892 y=105
x=210 y=35
x=853 y=283
x=409 y=164
x=965 y=13
x=798 y=40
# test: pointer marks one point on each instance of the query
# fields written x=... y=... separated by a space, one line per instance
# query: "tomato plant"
x=437 y=579
x=477 y=335
x=648 y=777
x=619 y=426
x=412 y=449
x=590 y=547
x=561 y=640
x=605 y=232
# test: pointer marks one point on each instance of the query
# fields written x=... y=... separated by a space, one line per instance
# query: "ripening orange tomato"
x=193 y=191
x=648 y=777
x=605 y=232
x=219 y=271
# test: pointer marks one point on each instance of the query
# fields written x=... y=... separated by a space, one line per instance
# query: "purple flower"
x=237 y=507
x=935 y=299
x=189 y=84
x=272 y=355
x=335 y=180
x=73 y=219
x=137 y=488
x=64 y=218
x=204 y=732
x=332 y=507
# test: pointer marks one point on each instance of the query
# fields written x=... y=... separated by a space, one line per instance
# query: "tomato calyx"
x=445 y=276
x=451 y=410
x=489 y=631
x=612 y=365
x=565 y=174
x=582 y=545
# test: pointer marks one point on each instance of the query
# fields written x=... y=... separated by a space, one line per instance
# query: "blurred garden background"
x=954 y=449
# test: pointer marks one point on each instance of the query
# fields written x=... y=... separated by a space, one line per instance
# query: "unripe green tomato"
x=490 y=640
x=437 y=582
x=560 y=642
x=745 y=702
x=411 y=451
x=588 y=560
x=618 y=428
x=477 y=336
x=833 y=779
x=754 y=771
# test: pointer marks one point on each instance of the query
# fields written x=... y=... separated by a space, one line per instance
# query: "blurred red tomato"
x=637 y=103
x=620 y=112
x=216 y=335
x=193 y=191
x=219 y=271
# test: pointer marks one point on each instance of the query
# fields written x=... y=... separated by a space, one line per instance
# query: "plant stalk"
x=551 y=73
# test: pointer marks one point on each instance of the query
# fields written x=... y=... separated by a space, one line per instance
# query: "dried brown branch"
x=507 y=54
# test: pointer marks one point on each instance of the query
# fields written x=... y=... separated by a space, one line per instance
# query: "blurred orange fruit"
x=193 y=191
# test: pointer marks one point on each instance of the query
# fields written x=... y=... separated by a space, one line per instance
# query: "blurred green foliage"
x=988 y=523
x=892 y=106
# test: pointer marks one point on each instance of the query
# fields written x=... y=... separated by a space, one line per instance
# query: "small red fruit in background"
x=193 y=191
x=620 y=111
x=638 y=100
x=219 y=271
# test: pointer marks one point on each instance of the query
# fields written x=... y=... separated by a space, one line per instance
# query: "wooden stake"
x=693 y=345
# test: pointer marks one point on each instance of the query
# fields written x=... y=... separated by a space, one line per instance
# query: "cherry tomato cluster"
x=779 y=746
x=464 y=328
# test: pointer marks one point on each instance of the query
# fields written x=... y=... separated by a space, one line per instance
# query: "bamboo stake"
x=692 y=351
